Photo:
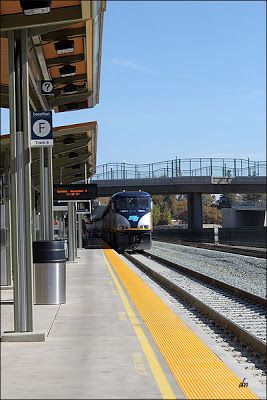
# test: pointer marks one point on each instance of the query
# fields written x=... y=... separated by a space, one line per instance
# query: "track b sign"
x=41 y=129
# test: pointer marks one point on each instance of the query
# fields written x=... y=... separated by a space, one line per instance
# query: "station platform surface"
x=113 y=339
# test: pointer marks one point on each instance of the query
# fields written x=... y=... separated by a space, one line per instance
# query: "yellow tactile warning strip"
x=197 y=370
x=160 y=378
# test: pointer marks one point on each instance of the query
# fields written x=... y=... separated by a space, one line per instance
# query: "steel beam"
x=61 y=15
x=63 y=33
x=69 y=79
x=50 y=62
x=65 y=99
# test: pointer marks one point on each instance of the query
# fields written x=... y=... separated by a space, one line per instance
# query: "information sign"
x=47 y=88
x=75 y=192
x=41 y=129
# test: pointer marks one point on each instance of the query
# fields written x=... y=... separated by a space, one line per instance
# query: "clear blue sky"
x=180 y=78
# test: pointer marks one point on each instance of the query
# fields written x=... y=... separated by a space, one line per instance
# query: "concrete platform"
x=114 y=339
x=91 y=349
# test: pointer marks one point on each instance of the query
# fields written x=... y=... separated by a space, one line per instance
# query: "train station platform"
x=113 y=339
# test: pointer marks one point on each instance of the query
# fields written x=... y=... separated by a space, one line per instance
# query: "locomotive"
x=127 y=221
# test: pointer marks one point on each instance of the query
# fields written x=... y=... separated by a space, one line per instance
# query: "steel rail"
x=250 y=339
x=217 y=247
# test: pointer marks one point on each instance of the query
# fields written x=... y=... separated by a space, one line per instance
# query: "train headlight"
x=142 y=226
x=146 y=226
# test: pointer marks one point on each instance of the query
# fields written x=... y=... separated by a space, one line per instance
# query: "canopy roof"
x=74 y=150
x=77 y=20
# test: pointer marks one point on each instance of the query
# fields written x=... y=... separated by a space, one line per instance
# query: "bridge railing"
x=257 y=203
x=219 y=167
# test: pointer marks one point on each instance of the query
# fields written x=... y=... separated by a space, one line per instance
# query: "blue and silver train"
x=127 y=221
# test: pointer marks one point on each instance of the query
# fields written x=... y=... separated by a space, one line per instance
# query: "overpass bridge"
x=183 y=185
x=192 y=176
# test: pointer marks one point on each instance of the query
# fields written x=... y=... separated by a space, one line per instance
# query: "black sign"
x=47 y=88
x=75 y=192
x=41 y=129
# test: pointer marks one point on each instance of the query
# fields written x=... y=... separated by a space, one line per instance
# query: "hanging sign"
x=41 y=129
x=47 y=88
x=75 y=192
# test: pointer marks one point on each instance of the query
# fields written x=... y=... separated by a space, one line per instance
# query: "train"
x=126 y=223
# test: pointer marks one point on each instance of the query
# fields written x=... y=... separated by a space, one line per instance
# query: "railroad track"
x=234 y=309
x=218 y=247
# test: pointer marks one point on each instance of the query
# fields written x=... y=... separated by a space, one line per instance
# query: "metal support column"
x=80 y=231
x=13 y=173
x=46 y=204
x=42 y=196
x=46 y=193
x=50 y=181
x=23 y=290
x=9 y=239
x=71 y=233
x=75 y=229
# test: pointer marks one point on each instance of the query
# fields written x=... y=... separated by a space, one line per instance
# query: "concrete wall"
x=251 y=237
x=233 y=218
x=190 y=235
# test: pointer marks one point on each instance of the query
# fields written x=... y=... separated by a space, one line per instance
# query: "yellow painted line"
x=139 y=364
x=122 y=316
x=160 y=378
x=198 y=371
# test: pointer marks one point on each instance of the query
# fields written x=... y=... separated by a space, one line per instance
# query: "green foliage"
x=226 y=200
x=156 y=214
x=208 y=199
x=171 y=207
x=211 y=215
x=165 y=216
x=253 y=197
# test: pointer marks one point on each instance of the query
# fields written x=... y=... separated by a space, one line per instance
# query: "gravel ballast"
x=247 y=273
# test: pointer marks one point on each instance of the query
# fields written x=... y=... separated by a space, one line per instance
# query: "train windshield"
x=133 y=203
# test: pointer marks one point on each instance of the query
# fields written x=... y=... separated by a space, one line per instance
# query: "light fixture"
x=76 y=166
x=73 y=106
x=67 y=70
x=73 y=154
x=32 y=7
x=64 y=46
x=69 y=140
x=70 y=89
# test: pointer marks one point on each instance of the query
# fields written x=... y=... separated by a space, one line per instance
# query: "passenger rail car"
x=127 y=221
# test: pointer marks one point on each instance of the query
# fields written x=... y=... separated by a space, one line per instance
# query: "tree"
x=181 y=210
x=211 y=215
x=155 y=214
x=253 y=197
x=226 y=200
x=158 y=199
x=171 y=203
x=165 y=216
x=208 y=199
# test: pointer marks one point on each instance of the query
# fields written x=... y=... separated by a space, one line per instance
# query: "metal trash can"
x=49 y=259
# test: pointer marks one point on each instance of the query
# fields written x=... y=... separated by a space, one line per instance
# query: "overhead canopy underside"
x=74 y=151
x=77 y=20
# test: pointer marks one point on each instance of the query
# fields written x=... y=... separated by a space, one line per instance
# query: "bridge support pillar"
x=194 y=211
